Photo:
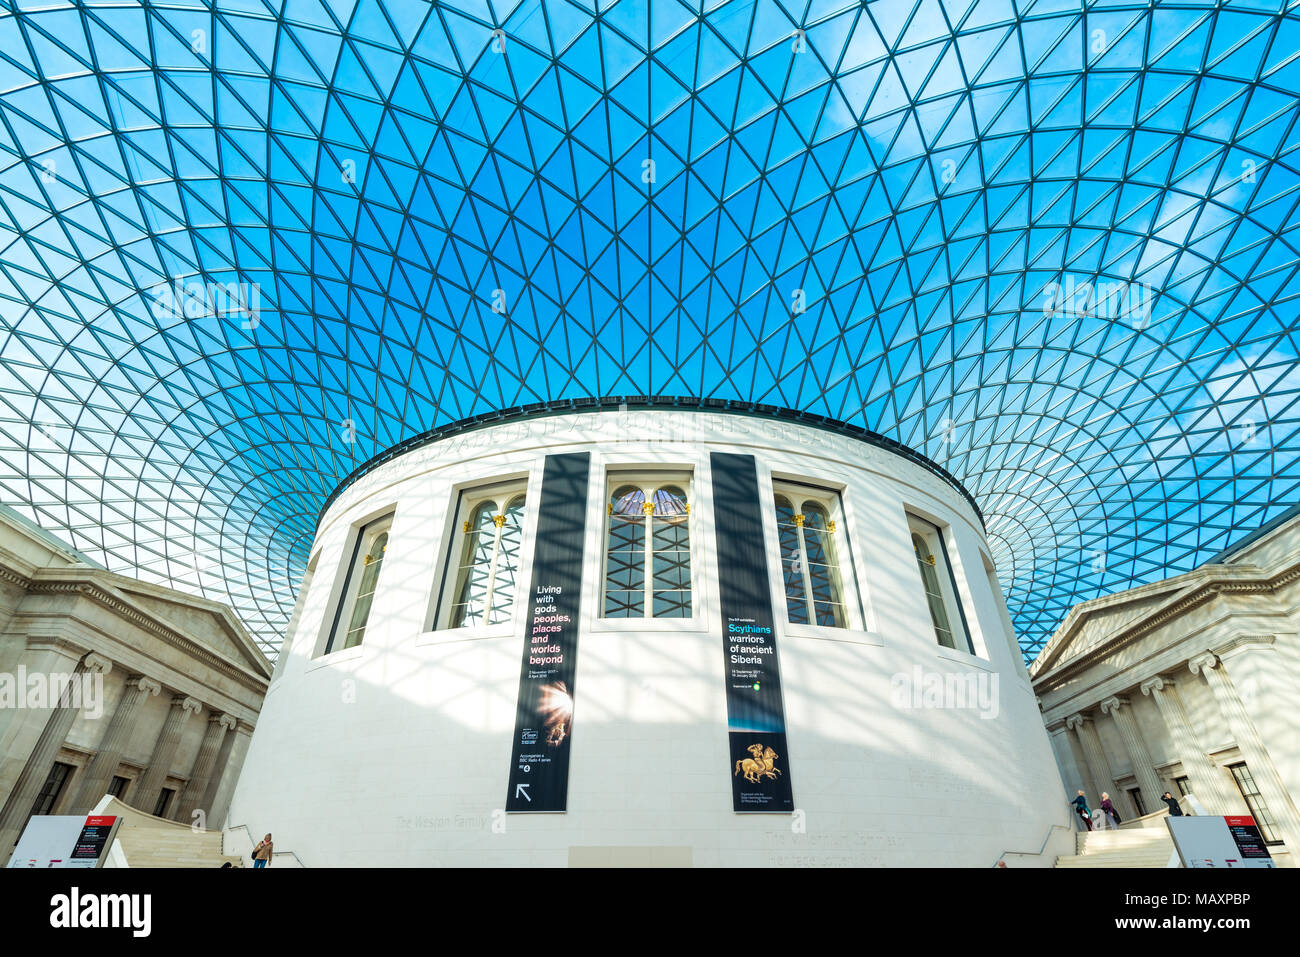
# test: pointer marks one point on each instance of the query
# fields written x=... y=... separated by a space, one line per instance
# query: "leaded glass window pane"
x=787 y=533
x=810 y=573
x=487 y=576
x=512 y=535
x=927 y=562
x=648 y=553
x=475 y=572
x=369 y=580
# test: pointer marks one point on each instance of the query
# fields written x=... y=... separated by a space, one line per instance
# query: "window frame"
x=1255 y=802
x=502 y=492
x=648 y=479
x=799 y=493
x=925 y=527
x=362 y=535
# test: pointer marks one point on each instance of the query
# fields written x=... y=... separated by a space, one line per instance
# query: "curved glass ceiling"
x=244 y=246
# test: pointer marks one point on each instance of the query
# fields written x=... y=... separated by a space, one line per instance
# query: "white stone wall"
x=397 y=752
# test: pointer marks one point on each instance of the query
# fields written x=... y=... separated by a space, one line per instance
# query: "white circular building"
x=652 y=631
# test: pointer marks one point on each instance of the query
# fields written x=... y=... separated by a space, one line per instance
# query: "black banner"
x=759 y=765
x=539 y=763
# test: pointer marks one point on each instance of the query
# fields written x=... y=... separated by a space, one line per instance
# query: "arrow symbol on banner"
x=521 y=790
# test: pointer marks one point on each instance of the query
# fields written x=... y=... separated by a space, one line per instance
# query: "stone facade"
x=1189 y=686
x=165 y=689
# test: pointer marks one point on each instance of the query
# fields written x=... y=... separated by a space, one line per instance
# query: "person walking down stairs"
x=262 y=853
x=1081 y=808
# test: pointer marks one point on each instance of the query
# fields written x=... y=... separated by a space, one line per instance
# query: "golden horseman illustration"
x=761 y=765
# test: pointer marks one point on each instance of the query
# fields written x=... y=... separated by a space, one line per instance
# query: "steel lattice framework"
x=246 y=245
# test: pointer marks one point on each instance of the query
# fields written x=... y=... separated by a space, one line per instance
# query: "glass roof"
x=246 y=245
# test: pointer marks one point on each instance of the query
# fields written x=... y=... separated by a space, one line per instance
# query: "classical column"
x=1269 y=690
x=1118 y=708
x=1102 y=780
x=1252 y=748
x=1207 y=781
x=222 y=788
x=98 y=776
x=201 y=774
x=145 y=793
x=20 y=728
x=1073 y=776
x=13 y=817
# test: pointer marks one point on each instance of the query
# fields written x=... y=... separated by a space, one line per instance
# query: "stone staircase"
x=147 y=841
x=1136 y=847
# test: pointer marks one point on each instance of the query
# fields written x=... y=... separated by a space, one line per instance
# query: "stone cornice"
x=1240 y=643
x=14 y=578
x=1214 y=581
x=109 y=599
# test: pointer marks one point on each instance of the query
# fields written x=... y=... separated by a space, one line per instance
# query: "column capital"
x=227 y=721
x=1057 y=727
x=1113 y=704
x=1153 y=686
x=97 y=663
x=1076 y=719
x=145 y=684
x=192 y=705
x=1206 y=661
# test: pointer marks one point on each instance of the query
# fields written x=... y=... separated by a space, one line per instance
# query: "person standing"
x=1109 y=808
x=1081 y=808
x=1175 y=809
x=262 y=853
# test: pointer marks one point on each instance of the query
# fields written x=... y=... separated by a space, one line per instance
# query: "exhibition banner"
x=759 y=764
x=539 y=762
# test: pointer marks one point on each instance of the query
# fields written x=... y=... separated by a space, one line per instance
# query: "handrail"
x=249 y=832
x=1042 y=847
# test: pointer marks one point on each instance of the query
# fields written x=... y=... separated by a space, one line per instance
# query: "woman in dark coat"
x=1109 y=809
x=1174 y=809
x=1081 y=808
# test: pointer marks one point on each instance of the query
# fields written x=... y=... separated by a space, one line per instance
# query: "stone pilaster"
x=201 y=774
x=1208 y=784
x=229 y=764
x=1251 y=747
x=1143 y=768
x=1095 y=755
x=146 y=791
x=18 y=806
x=1073 y=777
x=97 y=777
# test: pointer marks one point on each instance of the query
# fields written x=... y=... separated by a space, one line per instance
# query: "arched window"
x=810 y=568
x=359 y=586
x=648 y=551
x=485 y=586
x=940 y=586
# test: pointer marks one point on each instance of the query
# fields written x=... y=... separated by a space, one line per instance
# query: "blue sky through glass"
x=1051 y=245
